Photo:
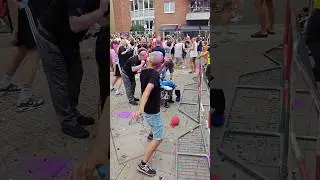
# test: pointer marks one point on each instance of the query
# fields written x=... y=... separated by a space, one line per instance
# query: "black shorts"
x=24 y=36
x=117 y=71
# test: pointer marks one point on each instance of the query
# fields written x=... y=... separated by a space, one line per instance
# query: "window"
x=135 y=4
x=151 y=24
x=140 y=4
x=132 y=6
x=169 y=7
x=150 y=3
x=146 y=4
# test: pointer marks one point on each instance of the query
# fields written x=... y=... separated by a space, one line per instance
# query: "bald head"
x=155 y=58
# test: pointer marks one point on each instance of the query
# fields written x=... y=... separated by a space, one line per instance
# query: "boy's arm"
x=145 y=96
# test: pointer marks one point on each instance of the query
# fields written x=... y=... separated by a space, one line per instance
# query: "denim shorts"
x=156 y=124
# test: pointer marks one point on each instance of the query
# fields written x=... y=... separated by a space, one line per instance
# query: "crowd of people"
x=127 y=52
x=152 y=57
x=52 y=33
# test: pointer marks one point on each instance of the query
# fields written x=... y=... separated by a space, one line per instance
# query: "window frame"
x=171 y=4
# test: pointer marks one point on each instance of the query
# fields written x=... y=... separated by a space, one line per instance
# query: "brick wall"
x=122 y=15
x=178 y=17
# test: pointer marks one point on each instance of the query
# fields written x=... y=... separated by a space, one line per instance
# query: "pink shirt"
x=113 y=55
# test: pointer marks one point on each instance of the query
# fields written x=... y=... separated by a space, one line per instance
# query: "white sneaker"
x=236 y=18
x=118 y=93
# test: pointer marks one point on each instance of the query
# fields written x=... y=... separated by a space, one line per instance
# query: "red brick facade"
x=122 y=15
x=178 y=17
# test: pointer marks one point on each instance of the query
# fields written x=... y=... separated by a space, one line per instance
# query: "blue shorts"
x=156 y=123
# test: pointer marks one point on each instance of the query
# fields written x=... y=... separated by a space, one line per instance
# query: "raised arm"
x=79 y=22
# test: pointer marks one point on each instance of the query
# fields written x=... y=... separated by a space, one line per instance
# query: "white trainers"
x=118 y=93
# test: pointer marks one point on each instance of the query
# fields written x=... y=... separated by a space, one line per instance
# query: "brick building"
x=167 y=16
x=120 y=15
x=186 y=16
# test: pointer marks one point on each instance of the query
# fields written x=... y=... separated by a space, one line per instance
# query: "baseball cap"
x=174 y=121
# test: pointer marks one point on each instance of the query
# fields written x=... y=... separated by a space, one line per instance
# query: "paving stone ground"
x=244 y=55
x=32 y=145
x=34 y=148
x=129 y=141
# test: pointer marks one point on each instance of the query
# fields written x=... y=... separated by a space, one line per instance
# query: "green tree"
x=137 y=28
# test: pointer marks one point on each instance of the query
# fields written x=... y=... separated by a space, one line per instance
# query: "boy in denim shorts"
x=150 y=108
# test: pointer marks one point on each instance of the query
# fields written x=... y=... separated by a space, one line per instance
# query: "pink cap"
x=174 y=121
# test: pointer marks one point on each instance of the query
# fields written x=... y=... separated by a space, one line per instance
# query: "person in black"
x=159 y=48
x=313 y=40
x=150 y=108
x=61 y=28
x=129 y=70
x=124 y=53
x=200 y=45
x=26 y=51
x=103 y=65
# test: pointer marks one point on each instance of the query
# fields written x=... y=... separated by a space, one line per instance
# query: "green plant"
x=137 y=28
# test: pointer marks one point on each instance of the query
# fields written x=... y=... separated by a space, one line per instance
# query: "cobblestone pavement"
x=32 y=145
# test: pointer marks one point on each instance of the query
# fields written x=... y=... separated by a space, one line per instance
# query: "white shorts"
x=193 y=54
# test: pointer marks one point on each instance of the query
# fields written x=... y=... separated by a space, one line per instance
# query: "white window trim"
x=169 y=12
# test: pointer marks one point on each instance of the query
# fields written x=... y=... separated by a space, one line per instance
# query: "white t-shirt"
x=178 y=50
x=193 y=50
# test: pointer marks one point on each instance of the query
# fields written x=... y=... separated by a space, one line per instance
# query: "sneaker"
x=236 y=19
x=31 y=104
x=150 y=136
x=75 y=131
x=259 y=35
x=118 y=93
x=136 y=99
x=8 y=89
x=112 y=89
x=147 y=170
x=133 y=103
x=85 y=121
x=271 y=32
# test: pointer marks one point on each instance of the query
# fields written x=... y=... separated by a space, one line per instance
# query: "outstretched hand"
x=136 y=115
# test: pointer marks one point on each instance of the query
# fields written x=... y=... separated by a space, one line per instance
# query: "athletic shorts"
x=24 y=36
x=117 y=71
x=156 y=123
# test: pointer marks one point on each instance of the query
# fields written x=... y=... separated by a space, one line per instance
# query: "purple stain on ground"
x=124 y=114
x=46 y=167
x=298 y=104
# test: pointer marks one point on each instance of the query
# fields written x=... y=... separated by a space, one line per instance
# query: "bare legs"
x=152 y=146
x=192 y=64
x=265 y=10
